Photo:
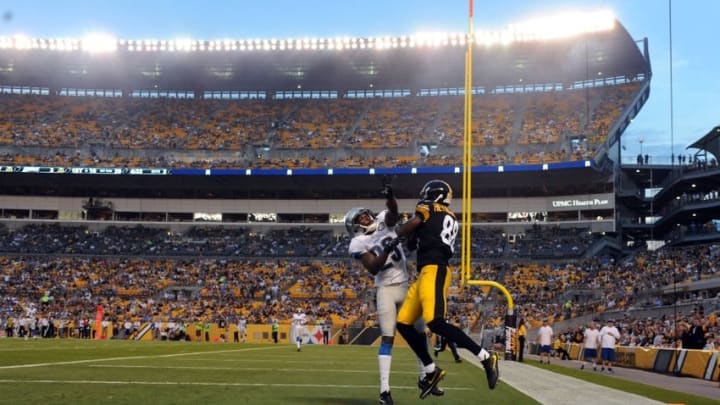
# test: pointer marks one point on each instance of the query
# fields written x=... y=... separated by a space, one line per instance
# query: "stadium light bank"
x=550 y=28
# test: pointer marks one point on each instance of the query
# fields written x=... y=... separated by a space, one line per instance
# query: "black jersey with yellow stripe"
x=436 y=235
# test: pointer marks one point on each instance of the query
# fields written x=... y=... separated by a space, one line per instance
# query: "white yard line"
x=215 y=384
x=288 y=370
x=157 y=356
x=368 y=362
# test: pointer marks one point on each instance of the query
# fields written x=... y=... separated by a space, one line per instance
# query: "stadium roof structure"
x=710 y=142
x=258 y=65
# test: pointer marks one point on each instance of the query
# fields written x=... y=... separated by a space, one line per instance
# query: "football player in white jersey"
x=242 y=329
x=299 y=319
x=375 y=244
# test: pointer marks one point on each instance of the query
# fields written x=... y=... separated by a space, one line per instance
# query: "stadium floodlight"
x=22 y=42
x=564 y=25
x=182 y=44
x=547 y=28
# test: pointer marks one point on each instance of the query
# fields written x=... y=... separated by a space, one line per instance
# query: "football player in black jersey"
x=432 y=231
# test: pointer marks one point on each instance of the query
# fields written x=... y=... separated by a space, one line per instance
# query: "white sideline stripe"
x=549 y=388
x=157 y=356
x=304 y=370
x=216 y=384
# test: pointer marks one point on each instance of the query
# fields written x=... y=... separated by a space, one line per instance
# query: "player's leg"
x=453 y=350
x=408 y=314
x=421 y=328
x=434 y=282
x=296 y=332
x=386 y=302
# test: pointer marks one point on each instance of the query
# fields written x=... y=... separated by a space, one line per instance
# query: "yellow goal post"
x=511 y=341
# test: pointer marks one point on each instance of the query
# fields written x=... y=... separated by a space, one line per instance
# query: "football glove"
x=390 y=245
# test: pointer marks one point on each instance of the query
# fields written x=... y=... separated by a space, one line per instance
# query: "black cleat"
x=430 y=382
x=386 y=398
x=437 y=391
x=458 y=360
x=491 y=370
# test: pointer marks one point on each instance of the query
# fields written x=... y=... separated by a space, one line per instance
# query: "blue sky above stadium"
x=695 y=61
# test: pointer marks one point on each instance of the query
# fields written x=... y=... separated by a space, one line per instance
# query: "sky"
x=695 y=85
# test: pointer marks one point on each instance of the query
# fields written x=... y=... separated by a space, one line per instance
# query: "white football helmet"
x=352 y=225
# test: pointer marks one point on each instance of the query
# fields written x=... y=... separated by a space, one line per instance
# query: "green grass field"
x=103 y=372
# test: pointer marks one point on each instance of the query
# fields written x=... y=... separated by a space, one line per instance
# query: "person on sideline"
x=609 y=335
x=591 y=339
x=544 y=337
x=522 y=336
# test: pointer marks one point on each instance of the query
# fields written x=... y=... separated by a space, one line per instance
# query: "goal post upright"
x=466 y=240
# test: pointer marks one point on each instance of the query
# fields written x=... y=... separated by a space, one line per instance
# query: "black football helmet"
x=436 y=191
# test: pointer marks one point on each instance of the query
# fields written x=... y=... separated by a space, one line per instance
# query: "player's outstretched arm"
x=409 y=227
x=392 y=216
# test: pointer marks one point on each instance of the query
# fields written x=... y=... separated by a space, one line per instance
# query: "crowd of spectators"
x=544 y=242
x=147 y=273
x=147 y=241
x=492 y=121
x=149 y=132
x=299 y=241
x=688 y=331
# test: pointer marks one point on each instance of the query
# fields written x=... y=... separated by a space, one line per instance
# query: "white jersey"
x=609 y=335
x=395 y=269
x=591 y=338
x=299 y=320
x=242 y=324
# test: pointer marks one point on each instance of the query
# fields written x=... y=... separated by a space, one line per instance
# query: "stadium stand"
x=526 y=128
x=176 y=273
